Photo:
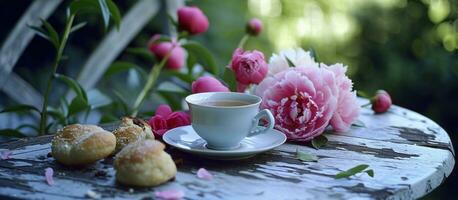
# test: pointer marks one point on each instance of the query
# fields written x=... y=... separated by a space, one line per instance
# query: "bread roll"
x=144 y=163
x=78 y=144
x=131 y=130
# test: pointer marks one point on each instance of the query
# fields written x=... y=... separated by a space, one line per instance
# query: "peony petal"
x=6 y=154
x=170 y=194
x=49 y=176
x=202 y=173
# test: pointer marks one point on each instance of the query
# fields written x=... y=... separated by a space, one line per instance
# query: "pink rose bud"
x=254 y=27
x=159 y=125
x=177 y=55
x=192 y=20
x=208 y=84
x=177 y=119
x=249 y=67
x=381 y=102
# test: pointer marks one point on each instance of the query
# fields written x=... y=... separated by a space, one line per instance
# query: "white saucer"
x=187 y=140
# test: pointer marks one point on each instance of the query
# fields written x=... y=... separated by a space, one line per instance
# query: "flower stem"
x=154 y=73
x=243 y=41
x=367 y=104
x=60 y=50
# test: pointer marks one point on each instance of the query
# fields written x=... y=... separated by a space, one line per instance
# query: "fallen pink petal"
x=6 y=154
x=49 y=172
x=202 y=173
x=171 y=194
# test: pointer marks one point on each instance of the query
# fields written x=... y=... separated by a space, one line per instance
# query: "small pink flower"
x=254 y=27
x=160 y=50
x=347 y=106
x=381 y=102
x=163 y=110
x=302 y=100
x=249 y=67
x=192 y=20
x=170 y=194
x=165 y=120
x=208 y=84
x=6 y=154
x=49 y=172
x=159 y=125
x=202 y=173
x=177 y=119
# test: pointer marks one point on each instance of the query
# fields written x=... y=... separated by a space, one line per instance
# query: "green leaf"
x=78 y=27
x=319 y=141
x=184 y=77
x=97 y=99
x=172 y=21
x=75 y=86
x=77 y=105
x=32 y=126
x=20 y=108
x=105 y=12
x=353 y=171
x=56 y=114
x=115 y=14
x=370 y=172
x=122 y=101
x=229 y=79
x=119 y=66
x=52 y=33
x=40 y=32
x=11 y=133
x=79 y=5
x=143 y=52
x=190 y=63
x=203 y=55
x=363 y=94
x=314 y=54
x=358 y=123
x=290 y=63
x=108 y=118
x=305 y=156
x=107 y=8
x=167 y=86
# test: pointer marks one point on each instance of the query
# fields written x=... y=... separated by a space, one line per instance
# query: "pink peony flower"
x=254 y=27
x=177 y=55
x=208 y=84
x=170 y=194
x=192 y=20
x=202 y=173
x=381 y=102
x=302 y=100
x=165 y=120
x=347 y=106
x=249 y=67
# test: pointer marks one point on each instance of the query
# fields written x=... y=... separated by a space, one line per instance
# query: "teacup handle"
x=263 y=114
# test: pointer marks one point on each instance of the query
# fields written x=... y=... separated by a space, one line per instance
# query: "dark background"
x=407 y=47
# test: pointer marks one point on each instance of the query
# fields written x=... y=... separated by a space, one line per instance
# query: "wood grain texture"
x=410 y=154
x=15 y=44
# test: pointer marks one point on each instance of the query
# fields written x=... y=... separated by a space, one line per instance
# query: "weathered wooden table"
x=410 y=154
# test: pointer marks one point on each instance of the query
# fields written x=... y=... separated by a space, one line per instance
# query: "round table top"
x=410 y=155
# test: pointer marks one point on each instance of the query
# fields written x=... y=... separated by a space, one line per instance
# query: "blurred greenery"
x=407 y=47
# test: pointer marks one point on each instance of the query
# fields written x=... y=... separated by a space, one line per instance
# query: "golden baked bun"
x=78 y=144
x=131 y=130
x=144 y=163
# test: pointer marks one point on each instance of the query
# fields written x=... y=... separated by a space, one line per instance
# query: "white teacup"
x=224 y=119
